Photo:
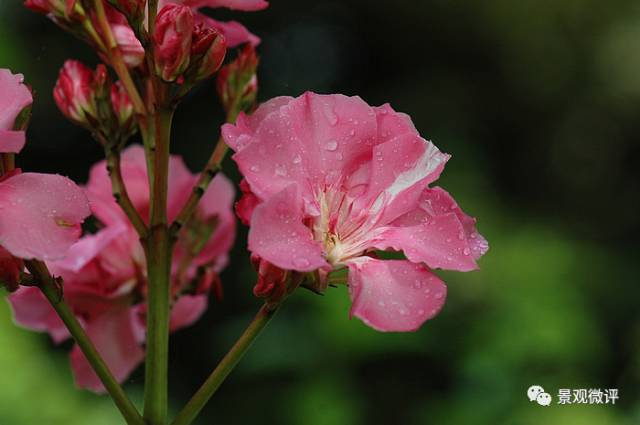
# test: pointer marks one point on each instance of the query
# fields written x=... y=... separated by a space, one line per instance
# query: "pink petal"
x=243 y=5
x=394 y=295
x=392 y=124
x=234 y=32
x=15 y=97
x=134 y=173
x=218 y=201
x=406 y=162
x=41 y=215
x=187 y=310
x=278 y=235
x=113 y=336
x=335 y=134
x=11 y=141
x=437 y=233
x=32 y=311
x=88 y=248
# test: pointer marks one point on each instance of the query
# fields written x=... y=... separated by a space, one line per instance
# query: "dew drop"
x=280 y=170
x=255 y=168
x=301 y=262
x=466 y=251
x=297 y=159
x=332 y=145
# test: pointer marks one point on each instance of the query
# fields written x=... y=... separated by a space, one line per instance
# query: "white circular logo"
x=536 y=393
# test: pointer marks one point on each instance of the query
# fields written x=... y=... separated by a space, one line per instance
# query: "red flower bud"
x=237 y=83
x=74 y=93
x=208 y=49
x=132 y=50
x=172 y=38
x=272 y=281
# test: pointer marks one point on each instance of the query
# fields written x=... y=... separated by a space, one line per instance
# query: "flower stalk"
x=226 y=365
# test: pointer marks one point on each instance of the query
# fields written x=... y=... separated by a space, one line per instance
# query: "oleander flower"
x=337 y=180
x=105 y=273
x=15 y=97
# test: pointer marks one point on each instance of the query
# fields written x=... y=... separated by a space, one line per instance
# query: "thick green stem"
x=224 y=368
x=158 y=249
x=53 y=292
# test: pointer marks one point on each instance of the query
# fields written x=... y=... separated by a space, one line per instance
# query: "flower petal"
x=41 y=215
x=394 y=295
x=278 y=235
x=32 y=311
x=11 y=141
x=187 y=310
x=113 y=336
x=15 y=97
x=234 y=32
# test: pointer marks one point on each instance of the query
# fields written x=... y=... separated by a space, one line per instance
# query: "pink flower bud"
x=272 y=281
x=122 y=108
x=172 y=38
x=74 y=93
x=208 y=49
x=237 y=83
x=132 y=50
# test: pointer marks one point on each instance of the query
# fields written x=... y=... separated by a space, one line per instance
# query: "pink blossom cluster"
x=334 y=191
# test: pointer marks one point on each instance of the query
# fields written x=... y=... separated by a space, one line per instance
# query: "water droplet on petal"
x=297 y=159
x=281 y=170
x=466 y=251
x=255 y=168
x=301 y=262
x=332 y=145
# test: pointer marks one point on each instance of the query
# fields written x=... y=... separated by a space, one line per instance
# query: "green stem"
x=224 y=368
x=158 y=249
x=52 y=291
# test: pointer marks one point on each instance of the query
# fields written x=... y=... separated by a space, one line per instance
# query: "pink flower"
x=40 y=215
x=234 y=32
x=338 y=180
x=15 y=98
x=105 y=274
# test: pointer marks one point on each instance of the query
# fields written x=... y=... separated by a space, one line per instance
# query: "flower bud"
x=172 y=38
x=237 y=83
x=208 y=49
x=272 y=281
x=123 y=109
x=129 y=45
x=74 y=93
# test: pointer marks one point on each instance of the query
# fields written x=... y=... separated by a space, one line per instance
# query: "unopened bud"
x=208 y=49
x=272 y=281
x=129 y=45
x=172 y=38
x=237 y=82
x=74 y=93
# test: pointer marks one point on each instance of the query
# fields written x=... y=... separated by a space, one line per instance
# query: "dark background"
x=538 y=102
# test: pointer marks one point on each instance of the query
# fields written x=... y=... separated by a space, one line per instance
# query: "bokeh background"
x=538 y=101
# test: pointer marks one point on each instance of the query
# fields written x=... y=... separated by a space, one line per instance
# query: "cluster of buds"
x=237 y=83
x=184 y=51
x=88 y=98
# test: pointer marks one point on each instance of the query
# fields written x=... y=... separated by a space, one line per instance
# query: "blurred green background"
x=538 y=102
